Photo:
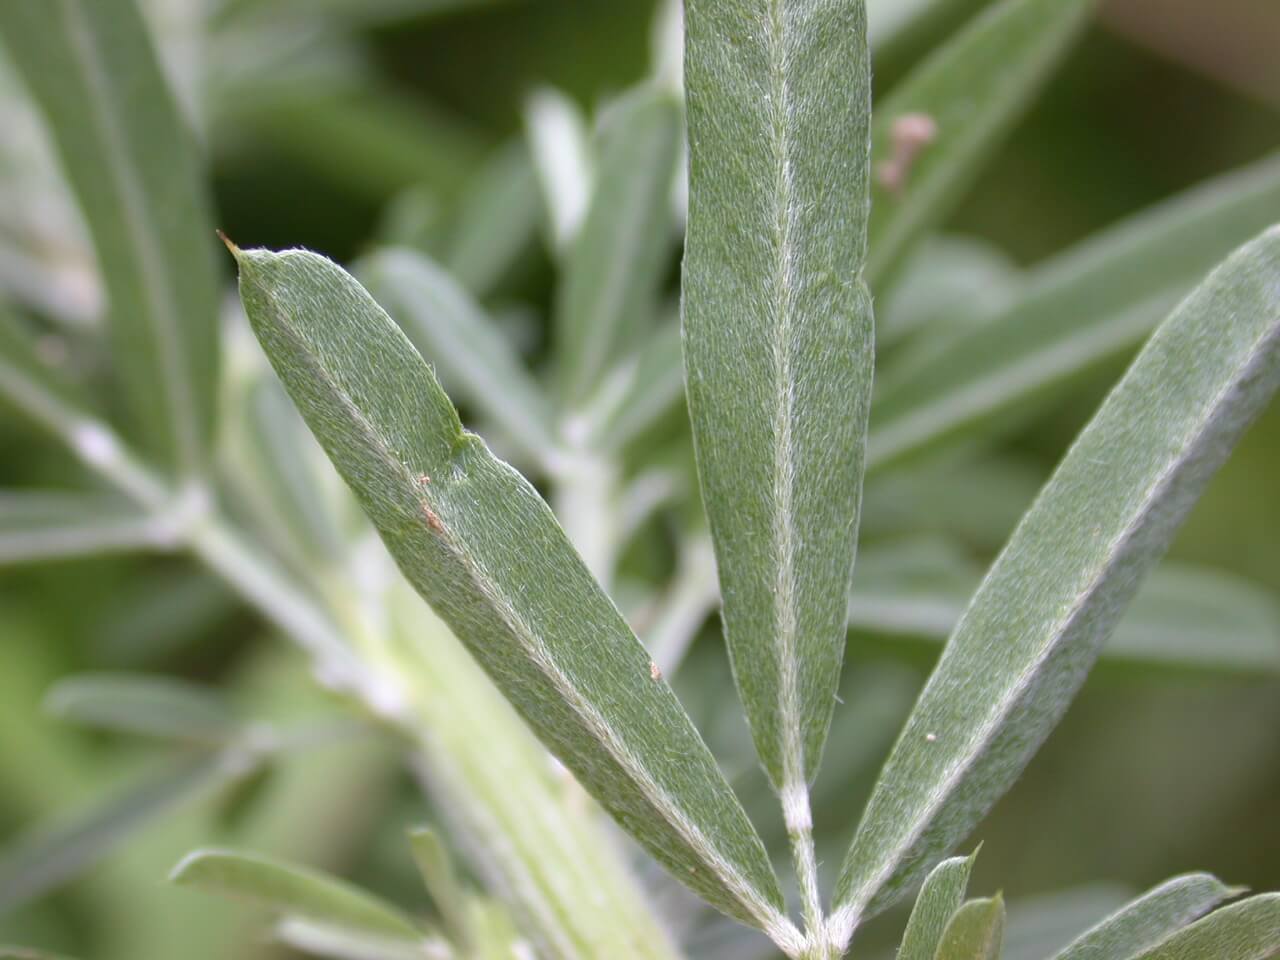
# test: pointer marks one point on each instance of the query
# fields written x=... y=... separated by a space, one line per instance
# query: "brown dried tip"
x=235 y=251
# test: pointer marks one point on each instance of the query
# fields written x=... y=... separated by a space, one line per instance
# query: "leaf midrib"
x=791 y=745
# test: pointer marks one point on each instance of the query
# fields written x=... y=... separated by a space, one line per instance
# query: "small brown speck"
x=433 y=519
x=655 y=672
x=423 y=479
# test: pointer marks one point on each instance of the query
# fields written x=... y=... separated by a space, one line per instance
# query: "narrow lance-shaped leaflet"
x=778 y=345
x=1035 y=626
x=475 y=539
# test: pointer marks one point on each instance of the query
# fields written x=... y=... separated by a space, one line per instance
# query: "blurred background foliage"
x=339 y=124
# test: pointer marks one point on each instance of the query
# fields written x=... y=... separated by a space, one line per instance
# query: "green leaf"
x=481 y=546
x=562 y=161
x=1181 y=617
x=134 y=169
x=26 y=953
x=937 y=128
x=30 y=384
x=976 y=932
x=1075 y=311
x=43 y=525
x=638 y=392
x=471 y=357
x=778 y=344
x=496 y=221
x=325 y=940
x=889 y=21
x=939 y=899
x=151 y=706
x=1150 y=919
x=441 y=881
x=294 y=891
x=1249 y=930
x=47 y=857
x=1034 y=628
x=615 y=268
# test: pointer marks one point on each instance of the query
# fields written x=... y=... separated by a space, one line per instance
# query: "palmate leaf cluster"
x=805 y=213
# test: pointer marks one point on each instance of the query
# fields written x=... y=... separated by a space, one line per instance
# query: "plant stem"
x=799 y=819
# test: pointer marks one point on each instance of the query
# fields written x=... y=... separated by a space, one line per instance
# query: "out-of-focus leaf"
x=612 y=273
x=441 y=881
x=479 y=544
x=496 y=220
x=323 y=940
x=639 y=391
x=295 y=891
x=90 y=65
x=975 y=932
x=473 y=360
x=288 y=473
x=951 y=285
x=778 y=347
x=938 y=126
x=31 y=385
x=1150 y=919
x=42 y=525
x=1071 y=313
x=47 y=857
x=940 y=897
x=1180 y=618
x=1249 y=930
x=1039 y=925
x=369 y=139
x=561 y=152
x=27 y=953
x=977 y=501
x=890 y=20
x=150 y=706
x=1073 y=564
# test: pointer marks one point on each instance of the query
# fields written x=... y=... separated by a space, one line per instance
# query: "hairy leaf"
x=1108 y=513
x=976 y=932
x=1149 y=920
x=938 y=126
x=1249 y=930
x=778 y=344
x=134 y=169
x=471 y=357
x=481 y=546
x=940 y=897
